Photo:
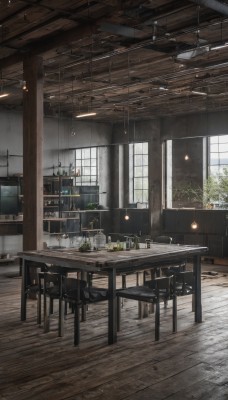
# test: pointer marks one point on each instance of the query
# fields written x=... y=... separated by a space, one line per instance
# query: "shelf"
x=92 y=230
x=61 y=233
x=7 y=260
x=56 y=196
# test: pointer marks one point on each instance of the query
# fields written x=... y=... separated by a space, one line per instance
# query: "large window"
x=138 y=173
x=218 y=155
x=86 y=166
x=216 y=187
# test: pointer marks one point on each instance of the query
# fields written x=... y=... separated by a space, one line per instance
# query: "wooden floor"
x=191 y=364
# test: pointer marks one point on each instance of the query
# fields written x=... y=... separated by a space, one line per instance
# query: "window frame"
x=142 y=199
x=84 y=163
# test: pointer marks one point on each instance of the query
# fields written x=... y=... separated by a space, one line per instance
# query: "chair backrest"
x=34 y=270
x=52 y=283
x=76 y=290
x=72 y=288
x=161 y=284
x=184 y=283
x=163 y=239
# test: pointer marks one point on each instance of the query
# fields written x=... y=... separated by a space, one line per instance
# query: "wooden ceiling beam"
x=51 y=42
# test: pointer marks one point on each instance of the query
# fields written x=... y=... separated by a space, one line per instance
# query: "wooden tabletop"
x=104 y=259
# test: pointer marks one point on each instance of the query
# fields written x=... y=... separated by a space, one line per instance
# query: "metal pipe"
x=214 y=5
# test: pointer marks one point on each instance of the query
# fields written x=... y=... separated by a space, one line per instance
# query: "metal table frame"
x=114 y=263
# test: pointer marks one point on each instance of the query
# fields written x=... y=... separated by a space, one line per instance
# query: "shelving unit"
x=68 y=209
x=60 y=199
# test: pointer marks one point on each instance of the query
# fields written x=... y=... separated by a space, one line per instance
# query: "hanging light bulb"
x=186 y=157
x=23 y=86
x=194 y=225
x=126 y=217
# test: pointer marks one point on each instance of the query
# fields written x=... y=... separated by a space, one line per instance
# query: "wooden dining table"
x=113 y=263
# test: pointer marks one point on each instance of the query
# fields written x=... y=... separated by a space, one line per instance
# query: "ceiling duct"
x=214 y=5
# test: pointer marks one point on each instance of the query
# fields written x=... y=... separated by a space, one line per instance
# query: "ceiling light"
x=186 y=157
x=3 y=95
x=163 y=88
x=221 y=46
x=86 y=115
x=199 y=93
x=189 y=54
x=23 y=85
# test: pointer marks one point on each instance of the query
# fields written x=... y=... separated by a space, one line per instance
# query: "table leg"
x=23 y=289
x=112 y=308
x=197 y=274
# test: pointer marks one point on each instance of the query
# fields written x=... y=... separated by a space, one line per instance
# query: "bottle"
x=100 y=240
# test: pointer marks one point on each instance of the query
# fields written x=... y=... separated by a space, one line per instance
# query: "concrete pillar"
x=33 y=154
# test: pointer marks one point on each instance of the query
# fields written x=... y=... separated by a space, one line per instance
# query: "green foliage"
x=91 y=206
x=214 y=191
x=223 y=182
x=211 y=191
x=86 y=246
x=187 y=192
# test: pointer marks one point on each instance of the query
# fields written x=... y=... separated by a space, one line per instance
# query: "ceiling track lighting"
x=219 y=46
x=199 y=93
x=3 y=95
x=90 y=114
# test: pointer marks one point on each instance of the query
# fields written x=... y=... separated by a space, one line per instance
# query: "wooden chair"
x=34 y=286
x=153 y=292
x=77 y=293
x=169 y=270
x=52 y=290
x=184 y=283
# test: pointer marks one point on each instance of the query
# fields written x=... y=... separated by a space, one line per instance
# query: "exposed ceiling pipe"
x=214 y=5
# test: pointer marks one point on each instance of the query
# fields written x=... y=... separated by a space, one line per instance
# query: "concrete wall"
x=58 y=140
x=194 y=125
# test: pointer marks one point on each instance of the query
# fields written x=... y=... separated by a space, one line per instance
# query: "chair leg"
x=193 y=302
x=61 y=318
x=118 y=313
x=39 y=309
x=84 y=309
x=65 y=309
x=51 y=306
x=174 y=314
x=157 y=321
x=76 y=325
x=124 y=285
x=46 y=316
